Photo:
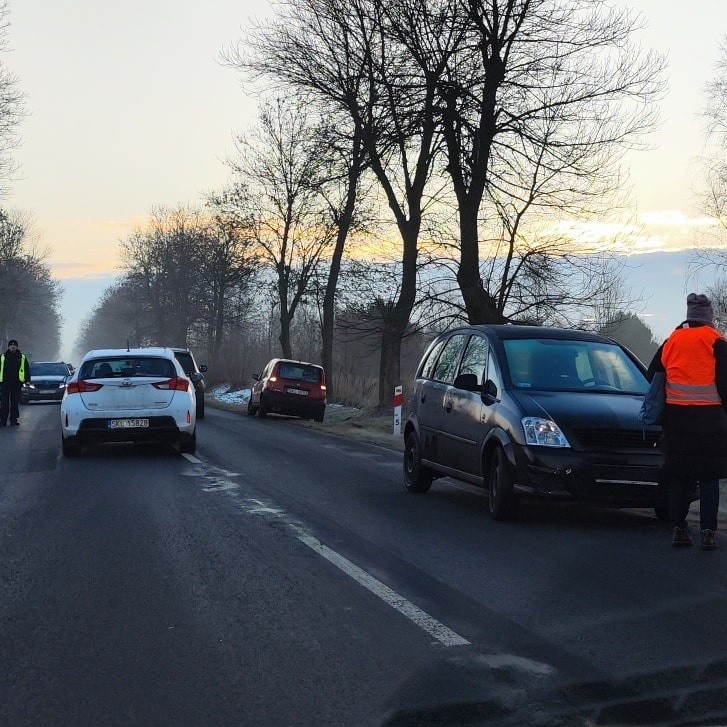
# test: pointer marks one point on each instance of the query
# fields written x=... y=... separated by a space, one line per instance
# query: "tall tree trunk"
x=396 y=323
x=480 y=305
x=285 y=320
x=329 y=299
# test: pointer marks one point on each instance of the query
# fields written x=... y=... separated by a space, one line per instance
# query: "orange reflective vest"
x=688 y=358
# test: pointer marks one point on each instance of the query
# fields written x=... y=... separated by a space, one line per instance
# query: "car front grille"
x=616 y=439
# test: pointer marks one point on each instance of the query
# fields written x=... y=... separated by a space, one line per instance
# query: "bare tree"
x=162 y=262
x=11 y=107
x=539 y=101
x=29 y=296
x=228 y=264
x=280 y=164
x=349 y=56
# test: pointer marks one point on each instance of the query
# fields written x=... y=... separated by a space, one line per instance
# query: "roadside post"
x=398 y=398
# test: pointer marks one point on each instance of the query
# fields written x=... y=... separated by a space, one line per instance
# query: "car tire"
x=503 y=504
x=263 y=410
x=70 y=450
x=200 y=410
x=188 y=445
x=661 y=512
x=251 y=410
x=319 y=418
x=417 y=477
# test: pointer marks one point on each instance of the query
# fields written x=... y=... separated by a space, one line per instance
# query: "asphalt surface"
x=285 y=577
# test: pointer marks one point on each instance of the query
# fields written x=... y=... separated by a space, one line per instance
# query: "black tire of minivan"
x=417 y=477
x=503 y=504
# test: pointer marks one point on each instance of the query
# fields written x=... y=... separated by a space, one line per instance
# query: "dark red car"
x=290 y=387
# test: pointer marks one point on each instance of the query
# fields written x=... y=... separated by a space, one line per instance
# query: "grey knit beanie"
x=699 y=308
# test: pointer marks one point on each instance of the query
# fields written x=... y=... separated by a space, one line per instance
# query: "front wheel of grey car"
x=417 y=477
x=503 y=504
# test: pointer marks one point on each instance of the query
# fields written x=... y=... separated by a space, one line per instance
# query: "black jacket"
x=694 y=438
x=11 y=367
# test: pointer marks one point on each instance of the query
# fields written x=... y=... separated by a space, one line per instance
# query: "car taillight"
x=82 y=386
x=172 y=385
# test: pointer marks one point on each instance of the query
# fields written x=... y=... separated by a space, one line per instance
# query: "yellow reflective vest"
x=22 y=369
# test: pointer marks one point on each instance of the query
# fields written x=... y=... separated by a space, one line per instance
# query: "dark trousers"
x=680 y=490
x=9 y=400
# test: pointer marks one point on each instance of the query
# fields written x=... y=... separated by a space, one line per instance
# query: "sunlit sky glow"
x=130 y=108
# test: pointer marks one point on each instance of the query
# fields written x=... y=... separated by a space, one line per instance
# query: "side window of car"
x=446 y=367
x=428 y=366
x=493 y=373
x=474 y=360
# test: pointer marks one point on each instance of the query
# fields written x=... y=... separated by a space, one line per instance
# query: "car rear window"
x=126 y=367
x=300 y=372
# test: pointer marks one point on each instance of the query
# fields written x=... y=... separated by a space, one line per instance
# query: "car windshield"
x=48 y=369
x=125 y=367
x=300 y=372
x=557 y=365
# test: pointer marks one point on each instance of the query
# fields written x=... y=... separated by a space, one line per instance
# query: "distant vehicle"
x=47 y=381
x=533 y=411
x=128 y=395
x=196 y=376
x=289 y=387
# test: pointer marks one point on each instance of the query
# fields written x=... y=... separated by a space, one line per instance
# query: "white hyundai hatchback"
x=128 y=395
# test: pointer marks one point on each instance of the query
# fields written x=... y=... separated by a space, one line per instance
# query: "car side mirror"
x=468 y=382
x=195 y=376
x=491 y=389
x=203 y=368
x=256 y=377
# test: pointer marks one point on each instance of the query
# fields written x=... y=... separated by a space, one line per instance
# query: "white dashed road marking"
x=216 y=481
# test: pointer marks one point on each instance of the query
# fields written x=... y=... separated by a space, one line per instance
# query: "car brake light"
x=172 y=385
x=82 y=386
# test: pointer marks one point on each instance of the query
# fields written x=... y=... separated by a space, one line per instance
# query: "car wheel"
x=417 y=477
x=251 y=410
x=70 y=450
x=661 y=512
x=319 y=418
x=263 y=410
x=200 y=409
x=502 y=502
x=188 y=445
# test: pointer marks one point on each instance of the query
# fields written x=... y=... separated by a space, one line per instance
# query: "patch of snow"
x=222 y=392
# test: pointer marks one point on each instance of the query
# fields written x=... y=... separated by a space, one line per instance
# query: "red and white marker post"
x=398 y=399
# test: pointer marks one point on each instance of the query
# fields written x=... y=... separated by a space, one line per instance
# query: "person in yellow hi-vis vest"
x=14 y=372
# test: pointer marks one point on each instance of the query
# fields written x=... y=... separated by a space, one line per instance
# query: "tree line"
x=411 y=167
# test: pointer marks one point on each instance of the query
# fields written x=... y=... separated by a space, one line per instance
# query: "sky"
x=130 y=107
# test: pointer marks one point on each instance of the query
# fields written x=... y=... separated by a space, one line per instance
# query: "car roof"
x=109 y=352
x=294 y=361
x=506 y=331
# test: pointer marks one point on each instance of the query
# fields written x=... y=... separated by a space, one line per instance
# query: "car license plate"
x=300 y=392
x=128 y=423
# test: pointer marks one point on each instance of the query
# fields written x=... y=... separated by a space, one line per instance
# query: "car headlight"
x=543 y=432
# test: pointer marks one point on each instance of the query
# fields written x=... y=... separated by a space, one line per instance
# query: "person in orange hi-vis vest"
x=694 y=437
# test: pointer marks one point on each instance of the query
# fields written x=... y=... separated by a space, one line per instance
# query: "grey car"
x=527 y=411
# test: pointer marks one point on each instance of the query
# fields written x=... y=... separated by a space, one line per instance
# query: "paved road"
x=284 y=577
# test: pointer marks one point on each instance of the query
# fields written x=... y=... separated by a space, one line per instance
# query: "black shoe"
x=680 y=537
x=708 y=540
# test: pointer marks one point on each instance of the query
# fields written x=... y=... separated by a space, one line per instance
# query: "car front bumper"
x=618 y=479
